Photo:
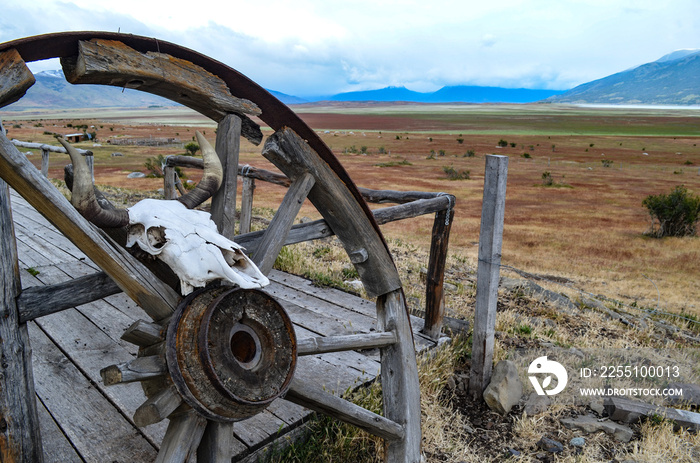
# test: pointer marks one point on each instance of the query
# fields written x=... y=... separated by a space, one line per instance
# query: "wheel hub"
x=230 y=352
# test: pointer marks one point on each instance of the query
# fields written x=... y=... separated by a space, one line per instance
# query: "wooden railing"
x=46 y=149
x=409 y=204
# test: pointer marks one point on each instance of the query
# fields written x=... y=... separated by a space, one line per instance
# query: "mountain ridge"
x=674 y=79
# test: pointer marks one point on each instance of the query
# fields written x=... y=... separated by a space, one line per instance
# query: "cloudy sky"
x=322 y=47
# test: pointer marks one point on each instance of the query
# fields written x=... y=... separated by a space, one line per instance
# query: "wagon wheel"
x=199 y=357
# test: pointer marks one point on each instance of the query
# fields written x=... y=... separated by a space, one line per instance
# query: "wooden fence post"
x=44 y=162
x=223 y=203
x=434 y=286
x=488 y=272
x=246 y=204
x=169 y=182
x=20 y=441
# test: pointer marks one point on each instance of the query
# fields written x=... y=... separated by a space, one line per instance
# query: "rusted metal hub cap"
x=230 y=352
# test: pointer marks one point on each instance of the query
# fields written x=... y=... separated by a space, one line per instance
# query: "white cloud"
x=322 y=47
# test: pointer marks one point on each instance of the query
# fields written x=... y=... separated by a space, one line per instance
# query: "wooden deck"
x=82 y=420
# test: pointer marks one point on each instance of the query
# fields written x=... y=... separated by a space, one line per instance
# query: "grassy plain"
x=587 y=229
x=584 y=231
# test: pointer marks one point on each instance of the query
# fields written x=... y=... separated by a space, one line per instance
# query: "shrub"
x=526 y=155
x=460 y=140
x=673 y=214
x=547 y=179
x=454 y=174
x=607 y=162
x=155 y=167
x=469 y=154
x=381 y=150
x=191 y=148
x=502 y=143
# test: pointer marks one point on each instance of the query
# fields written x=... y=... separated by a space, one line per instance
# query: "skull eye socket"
x=156 y=237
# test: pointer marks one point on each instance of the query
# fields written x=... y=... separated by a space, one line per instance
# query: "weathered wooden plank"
x=21 y=441
x=259 y=429
x=57 y=448
x=339 y=207
x=315 y=398
x=223 y=202
x=488 y=273
x=96 y=429
x=630 y=411
x=182 y=438
x=330 y=295
x=16 y=77
x=131 y=276
x=347 y=321
x=399 y=376
x=269 y=246
x=434 y=296
x=43 y=300
x=91 y=349
x=109 y=62
x=322 y=344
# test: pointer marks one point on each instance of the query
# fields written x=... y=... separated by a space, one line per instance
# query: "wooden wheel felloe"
x=222 y=355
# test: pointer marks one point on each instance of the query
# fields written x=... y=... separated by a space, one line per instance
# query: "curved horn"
x=83 y=194
x=211 y=180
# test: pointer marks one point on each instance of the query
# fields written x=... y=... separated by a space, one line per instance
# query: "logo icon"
x=541 y=366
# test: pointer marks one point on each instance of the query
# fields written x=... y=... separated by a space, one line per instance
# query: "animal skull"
x=188 y=242
x=172 y=230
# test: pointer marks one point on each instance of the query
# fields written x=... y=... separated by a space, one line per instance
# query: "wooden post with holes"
x=434 y=287
x=488 y=272
x=20 y=440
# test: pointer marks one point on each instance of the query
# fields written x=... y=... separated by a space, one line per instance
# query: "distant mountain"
x=674 y=79
x=452 y=94
x=287 y=99
x=51 y=90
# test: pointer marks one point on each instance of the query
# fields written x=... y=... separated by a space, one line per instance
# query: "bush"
x=607 y=162
x=191 y=148
x=502 y=143
x=454 y=174
x=673 y=214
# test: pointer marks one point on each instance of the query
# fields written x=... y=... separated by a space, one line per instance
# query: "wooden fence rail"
x=46 y=149
x=410 y=204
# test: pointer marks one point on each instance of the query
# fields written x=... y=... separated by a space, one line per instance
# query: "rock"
x=355 y=284
x=576 y=352
x=577 y=442
x=550 y=445
x=597 y=406
x=691 y=394
x=117 y=153
x=136 y=175
x=537 y=404
x=451 y=383
x=505 y=389
x=513 y=452
x=590 y=424
x=449 y=287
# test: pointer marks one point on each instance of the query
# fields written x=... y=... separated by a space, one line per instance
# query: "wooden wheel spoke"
x=324 y=344
x=182 y=438
x=318 y=400
x=158 y=407
x=269 y=246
